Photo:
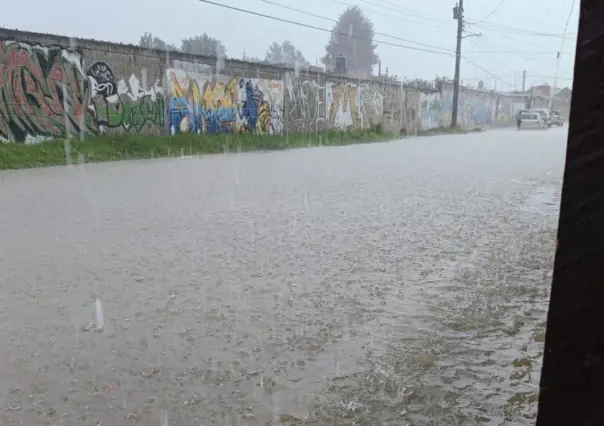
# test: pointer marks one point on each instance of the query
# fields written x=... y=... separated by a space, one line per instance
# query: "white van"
x=556 y=118
x=544 y=116
x=531 y=120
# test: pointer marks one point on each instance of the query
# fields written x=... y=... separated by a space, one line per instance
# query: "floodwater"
x=382 y=284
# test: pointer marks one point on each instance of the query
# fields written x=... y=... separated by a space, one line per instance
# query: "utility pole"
x=551 y=97
x=457 y=14
x=523 y=79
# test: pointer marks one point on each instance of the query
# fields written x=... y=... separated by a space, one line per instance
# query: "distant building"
x=561 y=101
x=563 y=97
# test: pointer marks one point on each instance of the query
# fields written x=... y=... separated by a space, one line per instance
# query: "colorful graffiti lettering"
x=199 y=104
x=218 y=107
x=120 y=105
x=43 y=93
x=204 y=103
x=260 y=106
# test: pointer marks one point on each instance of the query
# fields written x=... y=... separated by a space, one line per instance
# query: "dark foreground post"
x=572 y=379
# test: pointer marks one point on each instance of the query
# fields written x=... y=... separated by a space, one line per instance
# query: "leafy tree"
x=285 y=54
x=392 y=79
x=352 y=37
x=419 y=83
x=203 y=45
x=439 y=82
x=254 y=60
x=274 y=54
x=148 y=41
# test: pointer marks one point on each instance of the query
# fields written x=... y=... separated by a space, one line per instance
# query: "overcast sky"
x=516 y=35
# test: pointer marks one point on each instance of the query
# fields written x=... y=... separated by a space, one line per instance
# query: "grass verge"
x=129 y=147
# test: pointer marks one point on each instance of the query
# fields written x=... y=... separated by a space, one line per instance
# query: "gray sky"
x=507 y=34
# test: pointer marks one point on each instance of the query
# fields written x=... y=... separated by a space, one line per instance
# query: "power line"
x=335 y=20
x=541 y=52
x=486 y=71
x=300 y=24
x=506 y=29
x=507 y=36
x=570 y=12
x=407 y=10
x=492 y=11
x=431 y=17
x=385 y=15
x=550 y=77
x=510 y=75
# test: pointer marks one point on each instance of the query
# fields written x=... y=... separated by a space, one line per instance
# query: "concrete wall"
x=476 y=108
x=55 y=86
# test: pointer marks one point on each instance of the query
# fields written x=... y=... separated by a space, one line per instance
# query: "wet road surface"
x=383 y=284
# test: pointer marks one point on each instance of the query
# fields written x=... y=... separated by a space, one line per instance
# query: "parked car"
x=544 y=116
x=556 y=118
x=531 y=120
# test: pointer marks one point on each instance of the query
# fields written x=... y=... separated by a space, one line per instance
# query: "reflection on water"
x=374 y=284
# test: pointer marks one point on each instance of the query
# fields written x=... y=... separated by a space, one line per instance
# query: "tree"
x=254 y=60
x=419 y=83
x=148 y=41
x=203 y=45
x=439 y=82
x=285 y=54
x=274 y=54
x=352 y=37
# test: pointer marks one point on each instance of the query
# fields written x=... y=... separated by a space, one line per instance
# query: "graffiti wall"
x=43 y=93
x=122 y=105
x=430 y=110
x=305 y=103
x=353 y=105
x=372 y=104
x=202 y=102
x=46 y=92
x=475 y=108
x=260 y=105
x=49 y=90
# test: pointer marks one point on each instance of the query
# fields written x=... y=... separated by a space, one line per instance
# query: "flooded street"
x=383 y=284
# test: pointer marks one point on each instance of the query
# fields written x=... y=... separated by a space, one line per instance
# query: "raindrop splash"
x=219 y=59
x=100 y=317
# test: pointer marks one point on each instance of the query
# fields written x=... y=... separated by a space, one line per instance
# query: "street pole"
x=523 y=79
x=457 y=14
x=551 y=98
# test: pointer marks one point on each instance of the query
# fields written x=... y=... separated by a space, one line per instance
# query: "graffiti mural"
x=371 y=105
x=203 y=103
x=430 y=104
x=475 y=108
x=200 y=102
x=43 y=93
x=305 y=104
x=354 y=106
x=343 y=100
x=117 y=104
x=260 y=106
